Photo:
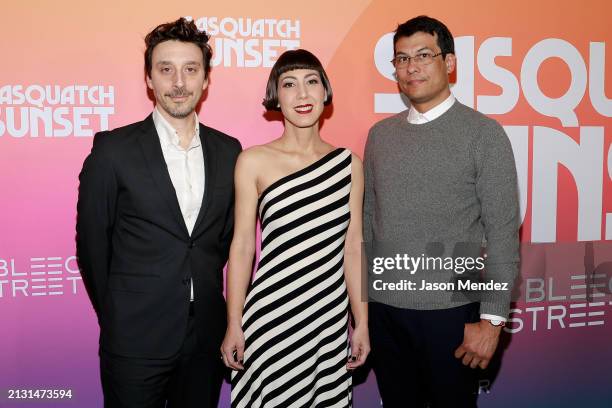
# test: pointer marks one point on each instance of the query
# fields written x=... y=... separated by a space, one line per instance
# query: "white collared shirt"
x=186 y=169
x=417 y=118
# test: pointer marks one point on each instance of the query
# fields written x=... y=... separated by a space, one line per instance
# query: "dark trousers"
x=190 y=379
x=413 y=356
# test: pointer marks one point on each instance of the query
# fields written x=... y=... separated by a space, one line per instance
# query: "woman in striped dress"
x=287 y=335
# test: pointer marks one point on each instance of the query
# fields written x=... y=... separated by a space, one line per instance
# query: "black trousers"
x=413 y=356
x=190 y=379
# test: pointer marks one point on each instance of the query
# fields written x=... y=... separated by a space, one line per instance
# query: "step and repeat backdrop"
x=542 y=69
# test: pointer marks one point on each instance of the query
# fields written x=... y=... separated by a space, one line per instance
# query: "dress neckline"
x=298 y=173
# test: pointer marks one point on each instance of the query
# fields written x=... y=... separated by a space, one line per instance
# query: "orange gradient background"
x=101 y=43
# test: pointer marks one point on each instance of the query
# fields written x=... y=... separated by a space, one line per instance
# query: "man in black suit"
x=154 y=224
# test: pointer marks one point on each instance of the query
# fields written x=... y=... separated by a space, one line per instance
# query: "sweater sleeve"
x=369 y=194
x=497 y=191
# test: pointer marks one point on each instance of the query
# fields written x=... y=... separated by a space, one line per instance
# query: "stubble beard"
x=179 y=111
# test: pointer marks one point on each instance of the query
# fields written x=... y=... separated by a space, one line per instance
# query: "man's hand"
x=479 y=343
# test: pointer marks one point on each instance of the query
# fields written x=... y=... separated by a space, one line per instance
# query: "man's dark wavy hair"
x=427 y=25
x=179 y=30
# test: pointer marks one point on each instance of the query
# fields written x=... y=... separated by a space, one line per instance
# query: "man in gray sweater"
x=440 y=181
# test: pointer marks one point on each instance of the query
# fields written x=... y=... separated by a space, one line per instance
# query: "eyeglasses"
x=424 y=58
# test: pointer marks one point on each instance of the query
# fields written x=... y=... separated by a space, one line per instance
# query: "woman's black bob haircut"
x=288 y=61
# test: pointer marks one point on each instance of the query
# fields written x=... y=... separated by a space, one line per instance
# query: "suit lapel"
x=210 y=173
x=151 y=147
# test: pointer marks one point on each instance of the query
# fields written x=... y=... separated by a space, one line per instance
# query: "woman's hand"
x=232 y=349
x=360 y=347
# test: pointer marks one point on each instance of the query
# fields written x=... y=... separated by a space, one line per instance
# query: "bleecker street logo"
x=44 y=276
x=564 y=286
x=542 y=313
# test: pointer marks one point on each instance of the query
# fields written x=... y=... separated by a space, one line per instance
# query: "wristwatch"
x=497 y=323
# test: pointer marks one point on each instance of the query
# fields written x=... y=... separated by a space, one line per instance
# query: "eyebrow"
x=417 y=51
x=171 y=63
x=306 y=76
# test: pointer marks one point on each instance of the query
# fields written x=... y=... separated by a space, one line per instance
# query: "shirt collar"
x=167 y=134
x=415 y=117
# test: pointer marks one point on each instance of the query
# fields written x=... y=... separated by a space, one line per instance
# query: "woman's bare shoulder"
x=259 y=158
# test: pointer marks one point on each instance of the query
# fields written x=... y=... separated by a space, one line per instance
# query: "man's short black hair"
x=179 y=30
x=427 y=25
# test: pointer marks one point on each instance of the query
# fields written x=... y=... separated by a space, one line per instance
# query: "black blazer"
x=134 y=251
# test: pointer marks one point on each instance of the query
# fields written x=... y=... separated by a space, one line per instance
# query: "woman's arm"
x=242 y=251
x=360 y=343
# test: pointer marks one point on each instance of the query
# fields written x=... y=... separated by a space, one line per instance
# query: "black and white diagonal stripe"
x=295 y=316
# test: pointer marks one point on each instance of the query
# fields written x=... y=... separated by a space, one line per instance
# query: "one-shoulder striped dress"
x=295 y=318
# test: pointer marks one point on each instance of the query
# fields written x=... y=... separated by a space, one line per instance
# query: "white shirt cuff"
x=484 y=316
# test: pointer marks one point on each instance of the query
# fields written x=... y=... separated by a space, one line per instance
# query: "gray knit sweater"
x=448 y=181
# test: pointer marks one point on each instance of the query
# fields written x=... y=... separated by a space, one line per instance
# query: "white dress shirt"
x=417 y=118
x=186 y=169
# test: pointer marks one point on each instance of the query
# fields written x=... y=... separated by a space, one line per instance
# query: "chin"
x=302 y=124
x=180 y=114
x=413 y=98
x=304 y=121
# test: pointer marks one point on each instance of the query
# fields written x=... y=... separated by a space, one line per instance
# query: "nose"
x=302 y=91
x=412 y=66
x=179 y=79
